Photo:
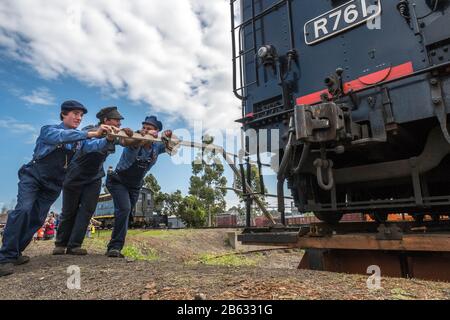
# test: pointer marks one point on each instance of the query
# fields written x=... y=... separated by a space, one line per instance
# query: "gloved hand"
x=129 y=132
x=153 y=133
x=168 y=133
x=103 y=131
x=170 y=141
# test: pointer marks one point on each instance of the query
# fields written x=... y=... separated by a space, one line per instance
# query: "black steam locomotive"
x=142 y=215
x=360 y=91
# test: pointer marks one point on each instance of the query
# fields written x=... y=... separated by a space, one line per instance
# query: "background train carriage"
x=360 y=91
x=142 y=215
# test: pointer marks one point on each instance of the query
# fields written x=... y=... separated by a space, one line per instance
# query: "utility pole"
x=209 y=217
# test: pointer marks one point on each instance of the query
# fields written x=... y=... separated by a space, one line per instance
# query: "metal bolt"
x=437 y=100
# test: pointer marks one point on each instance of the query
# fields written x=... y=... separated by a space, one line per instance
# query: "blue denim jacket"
x=52 y=136
x=130 y=154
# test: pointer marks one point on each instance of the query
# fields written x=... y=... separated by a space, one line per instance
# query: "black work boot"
x=21 y=260
x=78 y=251
x=57 y=251
x=6 y=269
x=114 y=253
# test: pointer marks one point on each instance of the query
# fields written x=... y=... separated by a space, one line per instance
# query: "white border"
x=376 y=14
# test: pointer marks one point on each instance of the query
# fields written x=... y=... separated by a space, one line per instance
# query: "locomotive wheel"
x=331 y=218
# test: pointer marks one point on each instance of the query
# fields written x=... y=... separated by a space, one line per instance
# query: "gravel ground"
x=177 y=271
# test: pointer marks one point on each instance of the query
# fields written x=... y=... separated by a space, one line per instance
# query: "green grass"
x=150 y=233
x=135 y=253
x=157 y=233
x=228 y=260
x=129 y=251
x=96 y=243
x=102 y=234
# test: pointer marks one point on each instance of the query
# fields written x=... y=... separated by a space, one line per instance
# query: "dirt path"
x=163 y=266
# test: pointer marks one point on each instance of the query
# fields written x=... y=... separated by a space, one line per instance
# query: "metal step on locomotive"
x=360 y=93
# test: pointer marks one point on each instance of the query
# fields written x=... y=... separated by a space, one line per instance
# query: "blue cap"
x=70 y=105
x=154 y=122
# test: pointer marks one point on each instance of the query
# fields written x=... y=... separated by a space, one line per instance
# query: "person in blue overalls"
x=41 y=180
x=82 y=187
x=125 y=182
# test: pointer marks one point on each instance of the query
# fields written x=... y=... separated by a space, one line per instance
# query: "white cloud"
x=16 y=126
x=40 y=96
x=20 y=128
x=173 y=55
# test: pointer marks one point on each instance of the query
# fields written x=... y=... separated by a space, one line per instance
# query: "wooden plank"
x=411 y=264
x=432 y=243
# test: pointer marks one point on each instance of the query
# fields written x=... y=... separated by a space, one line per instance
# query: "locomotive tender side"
x=360 y=91
x=141 y=215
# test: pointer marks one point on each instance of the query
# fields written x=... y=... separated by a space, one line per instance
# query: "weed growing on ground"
x=229 y=260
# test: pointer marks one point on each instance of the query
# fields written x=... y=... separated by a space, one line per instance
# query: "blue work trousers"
x=125 y=200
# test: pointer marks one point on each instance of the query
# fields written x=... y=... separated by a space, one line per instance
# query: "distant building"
x=230 y=218
x=226 y=220
x=174 y=222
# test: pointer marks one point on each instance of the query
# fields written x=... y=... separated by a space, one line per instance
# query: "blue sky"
x=170 y=58
x=28 y=102
x=20 y=121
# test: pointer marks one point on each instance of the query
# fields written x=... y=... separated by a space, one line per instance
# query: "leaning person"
x=126 y=181
x=41 y=180
x=82 y=187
